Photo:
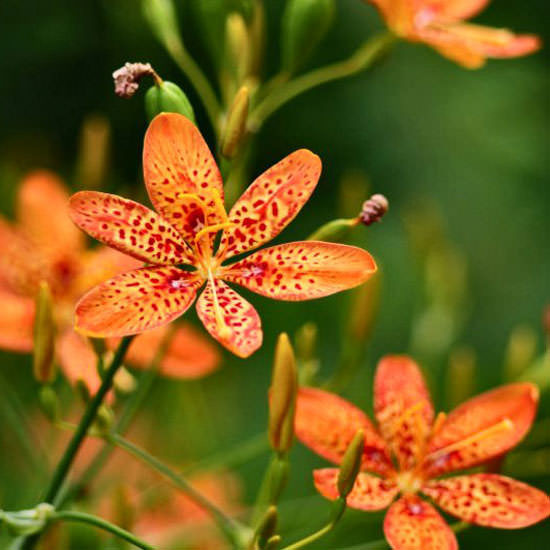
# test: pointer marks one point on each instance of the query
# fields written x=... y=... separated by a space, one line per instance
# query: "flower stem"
x=363 y=58
x=81 y=517
x=86 y=421
x=233 y=530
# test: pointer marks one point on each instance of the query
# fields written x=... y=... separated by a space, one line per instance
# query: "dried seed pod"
x=374 y=209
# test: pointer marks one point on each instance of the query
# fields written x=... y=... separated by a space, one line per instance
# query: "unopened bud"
x=306 y=342
x=163 y=20
x=304 y=24
x=124 y=381
x=364 y=308
x=333 y=231
x=237 y=47
x=267 y=527
x=167 y=97
x=273 y=543
x=93 y=158
x=351 y=464
x=460 y=375
x=127 y=78
x=103 y=421
x=235 y=126
x=44 y=336
x=520 y=351
x=49 y=403
x=282 y=396
x=374 y=209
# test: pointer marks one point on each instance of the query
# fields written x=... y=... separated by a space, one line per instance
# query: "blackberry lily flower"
x=441 y=25
x=423 y=449
x=185 y=187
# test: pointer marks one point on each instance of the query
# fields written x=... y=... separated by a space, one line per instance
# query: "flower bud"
x=235 y=126
x=127 y=78
x=333 y=231
x=306 y=353
x=103 y=421
x=373 y=209
x=273 y=543
x=27 y=522
x=44 y=335
x=351 y=464
x=364 y=308
x=162 y=18
x=282 y=396
x=93 y=156
x=460 y=375
x=237 y=47
x=49 y=403
x=267 y=527
x=124 y=381
x=167 y=97
x=520 y=351
x=304 y=24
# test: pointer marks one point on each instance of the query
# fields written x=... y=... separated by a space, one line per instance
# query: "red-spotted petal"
x=136 y=301
x=16 y=322
x=177 y=163
x=188 y=353
x=230 y=319
x=271 y=202
x=369 y=492
x=413 y=524
x=403 y=407
x=482 y=428
x=302 y=270
x=129 y=227
x=326 y=423
x=490 y=500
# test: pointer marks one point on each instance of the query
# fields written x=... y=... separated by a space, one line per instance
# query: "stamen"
x=212 y=229
x=223 y=329
x=406 y=414
x=505 y=424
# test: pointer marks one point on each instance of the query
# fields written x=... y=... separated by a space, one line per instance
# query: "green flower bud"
x=273 y=543
x=305 y=23
x=237 y=49
x=235 y=126
x=49 y=403
x=167 y=97
x=283 y=396
x=351 y=464
x=44 y=336
x=267 y=527
x=103 y=421
x=461 y=374
x=520 y=351
x=162 y=17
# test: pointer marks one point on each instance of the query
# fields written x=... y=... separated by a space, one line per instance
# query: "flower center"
x=409 y=482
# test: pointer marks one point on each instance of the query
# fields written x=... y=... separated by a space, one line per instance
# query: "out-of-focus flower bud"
x=103 y=422
x=124 y=381
x=167 y=97
x=520 y=351
x=128 y=77
x=374 y=209
x=44 y=336
x=93 y=157
x=273 y=543
x=235 y=125
x=49 y=403
x=304 y=24
x=460 y=375
x=257 y=36
x=267 y=527
x=162 y=17
x=351 y=464
x=333 y=231
x=282 y=401
x=364 y=308
x=237 y=48
x=27 y=522
x=306 y=353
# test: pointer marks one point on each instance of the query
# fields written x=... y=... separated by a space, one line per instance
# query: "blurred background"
x=463 y=157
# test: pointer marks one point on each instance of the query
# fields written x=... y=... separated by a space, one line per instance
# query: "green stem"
x=363 y=58
x=81 y=517
x=82 y=429
x=233 y=530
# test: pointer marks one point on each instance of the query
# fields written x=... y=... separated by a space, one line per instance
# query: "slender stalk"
x=81 y=517
x=233 y=530
x=363 y=58
x=86 y=421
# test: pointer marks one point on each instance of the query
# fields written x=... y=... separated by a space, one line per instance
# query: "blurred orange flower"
x=44 y=245
x=185 y=186
x=440 y=24
x=422 y=450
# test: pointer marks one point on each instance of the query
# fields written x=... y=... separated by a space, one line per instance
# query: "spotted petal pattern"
x=177 y=163
x=413 y=524
x=129 y=227
x=490 y=500
x=136 y=301
x=327 y=423
x=482 y=428
x=403 y=407
x=271 y=202
x=369 y=492
x=302 y=270
x=230 y=319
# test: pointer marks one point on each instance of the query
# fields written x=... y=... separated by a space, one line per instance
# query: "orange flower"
x=185 y=186
x=44 y=245
x=440 y=24
x=422 y=450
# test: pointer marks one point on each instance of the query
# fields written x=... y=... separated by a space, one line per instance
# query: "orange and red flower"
x=440 y=24
x=410 y=450
x=44 y=245
x=185 y=187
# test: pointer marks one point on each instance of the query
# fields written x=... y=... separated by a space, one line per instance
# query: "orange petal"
x=78 y=360
x=42 y=211
x=302 y=270
x=482 y=428
x=369 y=492
x=326 y=423
x=16 y=322
x=271 y=202
x=458 y=9
x=398 y=14
x=230 y=319
x=129 y=227
x=413 y=524
x=188 y=355
x=178 y=162
x=403 y=407
x=490 y=500
x=136 y=301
